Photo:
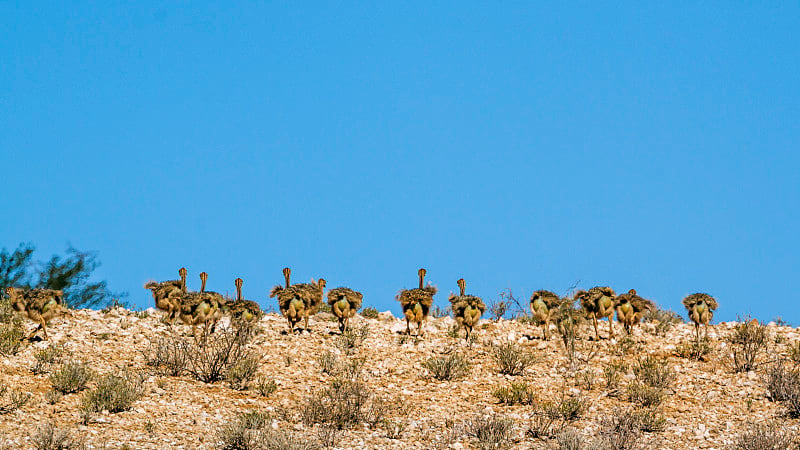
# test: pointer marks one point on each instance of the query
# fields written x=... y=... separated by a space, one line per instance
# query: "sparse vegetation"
x=694 y=349
x=265 y=386
x=448 y=367
x=653 y=378
x=12 y=400
x=369 y=313
x=50 y=437
x=664 y=320
x=783 y=385
x=748 y=340
x=515 y=394
x=511 y=359
x=613 y=373
x=491 y=431
x=70 y=377
x=46 y=358
x=114 y=392
x=343 y=404
x=250 y=431
x=242 y=372
x=794 y=352
x=352 y=338
x=620 y=430
x=767 y=436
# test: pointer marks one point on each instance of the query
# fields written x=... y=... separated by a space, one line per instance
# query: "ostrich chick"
x=298 y=301
x=631 y=308
x=416 y=303
x=701 y=310
x=242 y=309
x=599 y=302
x=344 y=303
x=467 y=309
x=167 y=294
x=543 y=305
x=39 y=305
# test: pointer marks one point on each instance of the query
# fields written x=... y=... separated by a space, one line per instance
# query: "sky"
x=518 y=145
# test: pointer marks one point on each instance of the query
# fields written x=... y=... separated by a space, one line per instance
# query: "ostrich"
x=240 y=308
x=599 y=302
x=701 y=310
x=416 y=303
x=344 y=303
x=467 y=309
x=543 y=306
x=167 y=294
x=631 y=308
x=40 y=305
x=298 y=301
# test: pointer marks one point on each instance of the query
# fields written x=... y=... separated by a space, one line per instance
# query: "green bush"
x=511 y=359
x=448 y=367
x=114 y=392
x=515 y=394
x=70 y=377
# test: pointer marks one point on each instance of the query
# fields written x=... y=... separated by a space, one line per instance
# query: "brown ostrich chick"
x=416 y=303
x=167 y=294
x=543 y=306
x=599 y=302
x=242 y=309
x=298 y=301
x=467 y=309
x=344 y=303
x=630 y=309
x=39 y=305
x=701 y=310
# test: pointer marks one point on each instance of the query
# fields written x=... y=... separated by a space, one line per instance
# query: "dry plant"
x=265 y=386
x=114 y=392
x=694 y=349
x=767 y=436
x=748 y=340
x=515 y=394
x=369 y=313
x=12 y=400
x=70 y=377
x=50 y=437
x=242 y=372
x=783 y=385
x=448 y=367
x=491 y=432
x=46 y=358
x=511 y=359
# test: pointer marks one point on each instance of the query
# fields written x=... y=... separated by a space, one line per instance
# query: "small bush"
x=49 y=437
x=369 y=312
x=46 y=358
x=265 y=386
x=12 y=400
x=511 y=359
x=748 y=340
x=515 y=394
x=654 y=372
x=794 y=352
x=613 y=373
x=328 y=362
x=694 y=349
x=568 y=409
x=627 y=345
x=620 y=430
x=11 y=336
x=437 y=312
x=71 y=377
x=53 y=396
x=769 y=436
x=491 y=432
x=783 y=385
x=644 y=395
x=587 y=379
x=570 y=439
x=448 y=367
x=245 y=432
x=352 y=338
x=241 y=372
x=651 y=420
x=114 y=392
x=168 y=355
x=663 y=318
x=342 y=404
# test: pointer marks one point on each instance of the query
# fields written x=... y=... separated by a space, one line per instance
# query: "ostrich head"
x=421 y=273
x=632 y=292
x=203 y=279
x=16 y=301
x=238 y=282
x=286 y=273
x=462 y=286
x=321 y=284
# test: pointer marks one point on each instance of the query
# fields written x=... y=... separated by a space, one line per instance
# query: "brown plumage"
x=467 y=309
x=167 y=294
x=242 y=309
x=701 y=310
x=201 y=308
x=298 y=301
x=416 y=303
x=599 y=302
x=344 y=303
x=631 y=308
x=39 y=305
x=543 y=306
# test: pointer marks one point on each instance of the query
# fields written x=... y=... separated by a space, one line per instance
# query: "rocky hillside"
x=382 y=388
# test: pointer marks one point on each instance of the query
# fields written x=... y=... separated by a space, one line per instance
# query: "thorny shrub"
x=748 y=340
x=768 y=436
x=12 y=400
x=50 y=437
x=491 y=431
x=783 y=385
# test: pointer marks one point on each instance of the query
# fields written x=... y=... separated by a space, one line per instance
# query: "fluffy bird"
x=39 y=305
x=599 y=302
x=241 y=309
x=416 y=303
x=298 y=301
x=201 y=308
x=344 y=303
x=467 y=309
x=701 y=310
x=167 y=294
x=543 y=306
x=630 y=309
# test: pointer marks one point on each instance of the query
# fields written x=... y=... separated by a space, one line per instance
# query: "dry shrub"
x=620 y=430
x=783 y=385
x=491 y=431
x=515 y=394
x=369 y=312
x=664 y=319
x=242 y=372
x=571 y=439
x=551 y=418
x=46 y=358
x=352 y=338
x=653 y=378
x=448 y=367
x=613 y=373
x=511 y=359
x=265 y=386
x=694 y=349
x=71 y=376
x=768 y=436
x=50 y=437
x=251 y=431
x=12 y=400
x=794 y=352
x=114 y=392
x=748 y=340
x=343 y=404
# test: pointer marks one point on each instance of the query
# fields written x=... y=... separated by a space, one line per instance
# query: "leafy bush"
x=369 y=312
x=114 y=392
x=515 y=394
x=748 y=340
x=511 y=359
x=70 y=377
x=12 y=400
x=491 y=432
x=448 y=367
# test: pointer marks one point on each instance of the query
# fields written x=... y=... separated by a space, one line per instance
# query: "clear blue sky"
x=647 y=146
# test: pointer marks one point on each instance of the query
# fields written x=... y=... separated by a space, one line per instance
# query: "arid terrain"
x=404 y=405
